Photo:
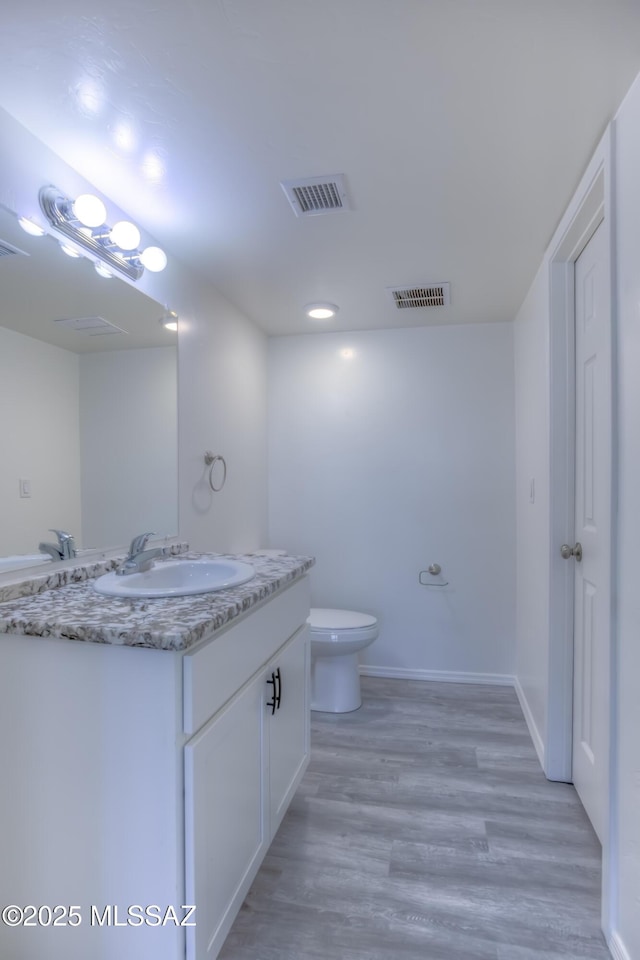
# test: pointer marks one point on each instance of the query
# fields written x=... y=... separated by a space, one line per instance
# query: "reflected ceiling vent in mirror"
x=8 y=250
x=424 y=295
x=312 y=196
x=90 y=326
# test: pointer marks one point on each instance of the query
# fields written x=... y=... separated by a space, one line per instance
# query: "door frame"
x=591 y=206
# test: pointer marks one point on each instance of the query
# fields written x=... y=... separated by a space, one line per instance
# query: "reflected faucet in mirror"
x=100 y=460
x=65 y=549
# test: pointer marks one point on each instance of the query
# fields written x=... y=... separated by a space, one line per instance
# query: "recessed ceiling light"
x=321 y=311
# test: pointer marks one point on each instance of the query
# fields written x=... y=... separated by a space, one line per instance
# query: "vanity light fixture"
x=83 y=220
x=125 y=234
x=30 y=227
x=154 y=259
x=89 y=210
x=321 y=311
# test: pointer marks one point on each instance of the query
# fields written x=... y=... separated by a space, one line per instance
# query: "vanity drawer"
x=214 y=672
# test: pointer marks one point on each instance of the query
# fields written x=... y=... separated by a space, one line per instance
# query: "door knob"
x=566 y=551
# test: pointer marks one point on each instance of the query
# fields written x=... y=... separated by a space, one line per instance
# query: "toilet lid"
x=324 y=619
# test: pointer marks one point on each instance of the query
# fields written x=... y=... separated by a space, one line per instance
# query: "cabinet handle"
x=274 y=701
x=278 y=688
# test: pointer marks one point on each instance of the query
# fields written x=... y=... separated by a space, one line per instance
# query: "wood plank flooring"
x=424 y=828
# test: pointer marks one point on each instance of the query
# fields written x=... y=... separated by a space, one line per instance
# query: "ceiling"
x=462 y=128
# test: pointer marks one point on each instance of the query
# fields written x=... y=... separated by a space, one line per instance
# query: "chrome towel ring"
x=211 y=461
x=434 y=570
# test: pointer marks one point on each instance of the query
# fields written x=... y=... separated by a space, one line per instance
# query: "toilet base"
x=335 y=684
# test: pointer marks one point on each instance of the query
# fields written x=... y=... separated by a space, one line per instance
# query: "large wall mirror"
x=88 y=393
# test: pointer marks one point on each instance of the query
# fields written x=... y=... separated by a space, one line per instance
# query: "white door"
x=592 y=530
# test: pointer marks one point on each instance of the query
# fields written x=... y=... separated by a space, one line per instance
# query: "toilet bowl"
x=336 y=638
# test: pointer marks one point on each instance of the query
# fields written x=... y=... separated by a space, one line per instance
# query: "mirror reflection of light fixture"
x=102 y=271
x=169 y=320
x=70 y=251
x=30 y=227
x=321 y=311
x=83 y=220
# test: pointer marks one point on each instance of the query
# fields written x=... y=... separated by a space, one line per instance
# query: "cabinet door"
x=288 y=727
x=226 y=829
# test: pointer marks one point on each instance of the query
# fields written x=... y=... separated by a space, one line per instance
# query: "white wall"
x=40 y=442
x=627 y=807
x=221 y=366
x=222 y=403
x=532 y=354
x=129 y=443
x=397 y=457
x=531 y=357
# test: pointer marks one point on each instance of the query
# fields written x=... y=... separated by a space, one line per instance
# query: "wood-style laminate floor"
x=424 y=828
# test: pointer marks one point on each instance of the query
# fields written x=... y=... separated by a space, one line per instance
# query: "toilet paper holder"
x=433 y=570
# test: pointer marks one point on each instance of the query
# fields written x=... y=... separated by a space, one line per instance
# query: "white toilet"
x=336 y=638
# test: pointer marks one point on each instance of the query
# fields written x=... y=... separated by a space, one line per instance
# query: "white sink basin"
x=177 y=578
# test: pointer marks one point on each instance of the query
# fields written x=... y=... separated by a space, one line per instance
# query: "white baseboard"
x=531 y=724
x=442 y=676
x=617 y=947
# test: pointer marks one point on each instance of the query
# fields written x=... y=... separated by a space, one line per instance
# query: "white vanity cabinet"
x=136 y=776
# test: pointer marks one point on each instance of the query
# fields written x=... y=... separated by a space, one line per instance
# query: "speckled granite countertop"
x=75 y=611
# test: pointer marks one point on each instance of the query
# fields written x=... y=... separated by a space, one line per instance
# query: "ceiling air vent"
x=312 y=196
x=90 y=326
x=8 y=250
x=427 y=295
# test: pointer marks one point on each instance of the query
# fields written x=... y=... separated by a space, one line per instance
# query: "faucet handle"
x=139 y=543
x=62 y=535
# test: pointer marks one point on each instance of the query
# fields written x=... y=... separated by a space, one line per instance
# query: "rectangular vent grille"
x=316 y=195
x=429 y=295
x=8 y=250
x=90 y=326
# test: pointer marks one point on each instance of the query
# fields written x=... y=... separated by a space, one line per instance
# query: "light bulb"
x=154 y=259
x=30 y=227
x=70 y=251
x=321 y=311
x=125 y=235
x=89 y=210
x=103 y=272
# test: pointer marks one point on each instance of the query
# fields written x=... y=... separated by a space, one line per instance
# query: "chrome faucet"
x=138 y=559
x=65 y=549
